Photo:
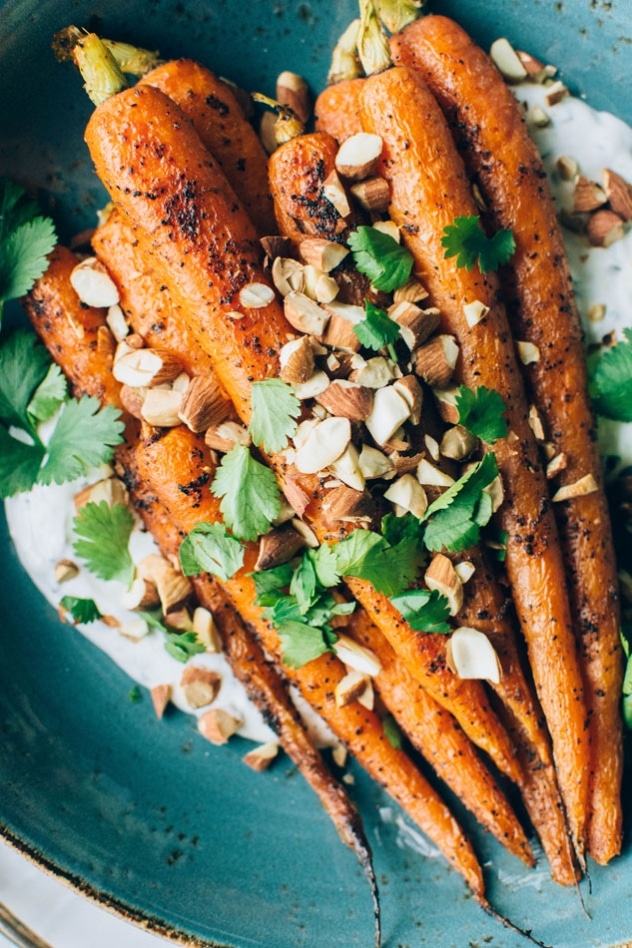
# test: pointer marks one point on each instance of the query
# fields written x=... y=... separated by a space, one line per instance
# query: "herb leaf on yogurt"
x=81 y=610
x=103 y=534
x=610 y=383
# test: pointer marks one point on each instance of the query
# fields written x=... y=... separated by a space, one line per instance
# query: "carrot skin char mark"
x=542 y=310
x=429 y=189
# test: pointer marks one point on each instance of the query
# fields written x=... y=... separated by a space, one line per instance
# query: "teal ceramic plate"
x=146 y=817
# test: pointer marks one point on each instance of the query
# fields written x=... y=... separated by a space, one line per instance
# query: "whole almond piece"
x=203 y=404
x=292 y=90
x=603 y=228
x=588 y=195
x=347 y=400
x=619 y=194
x=200 y=685
x=358 y=155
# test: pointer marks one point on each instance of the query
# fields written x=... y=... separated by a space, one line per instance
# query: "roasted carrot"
x=429 y=189
x=224 y=130
x=336 y=109
x=438 y=736
x=500 y=154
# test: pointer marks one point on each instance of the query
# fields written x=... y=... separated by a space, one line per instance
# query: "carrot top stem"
x=99 y=68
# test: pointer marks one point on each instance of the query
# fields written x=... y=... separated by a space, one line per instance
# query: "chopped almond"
x=585 y=485
x=321 y=253
x=358 y=155
x=374 y=194
x=160 y=696
x=217 y=725
x=618 y=193
x=200 y=686
x=261 y=757
x=203 y=404
x=435 y=361
x=278 y=547
x=442 y=576
x=604 y=227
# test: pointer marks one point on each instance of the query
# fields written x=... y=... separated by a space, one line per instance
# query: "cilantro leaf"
x=378 y=256
x=251 y=498
x=481 y=411
x=104 y=533
x=26 y=238
x=182 y=645
x=275 y=409
x=377 y=330
x=610 y=383
x=454 y=519
x=392 y=732
x=424 y=610
x=395 y=529
x=48 y=395
x=304 y=584
x=270 y=583
x=24 y=363
x=352 y=552
x=19 y=464
x=84 y=437
x=210 y=549
x=467 y=241
x=302 y=643
x=367 y=555
x=81 y=610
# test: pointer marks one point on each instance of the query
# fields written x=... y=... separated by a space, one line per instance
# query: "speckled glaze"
x=146 y=817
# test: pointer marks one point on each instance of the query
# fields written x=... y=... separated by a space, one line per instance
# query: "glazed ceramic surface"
x=145 y=816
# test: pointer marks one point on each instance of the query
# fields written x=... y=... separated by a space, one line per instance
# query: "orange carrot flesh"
x=429 y=189
x=336 y=109
x=218 y=118
x=500 y=153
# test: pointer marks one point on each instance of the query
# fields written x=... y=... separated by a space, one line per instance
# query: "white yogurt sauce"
x=41 y=522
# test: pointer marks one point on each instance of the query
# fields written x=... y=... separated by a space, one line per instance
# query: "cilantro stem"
x=391 y=351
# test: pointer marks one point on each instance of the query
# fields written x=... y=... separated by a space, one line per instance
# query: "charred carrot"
x=429 y=189
x=500 y=154
x=224 y=130
x=336 y=109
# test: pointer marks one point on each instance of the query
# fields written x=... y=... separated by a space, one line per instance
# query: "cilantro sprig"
x=32 y=390
x=454 y=520
x=424 y=610
x=275 y=409
x=610 y=382
x=378 y=256
x=103 y=533
x=251 y=498
x=377 y=331
x=81 y=610
x=180 y=645
x=481 y=411
x=26 y=238
x=209 y=548
x=466 y=240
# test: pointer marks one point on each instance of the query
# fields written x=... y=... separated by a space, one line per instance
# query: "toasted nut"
x=276 y=246
x=535 y=423
x=374 y=463
x=110 y=489
x=464 y=570
x=313 y=387
x=93 y=284
x=446 y=404
x=411 y=292
x=556 y=92
x=160 y=696
x=430 y=476
x=411 y=391
x=458 y=443
x=161 y=407
x=567 y=167
x=203 y=404
x=389 y=228
x=507 y=60
x=585 y=485
x=597 y=312
x=350 y=688
x=261 y=757
x=324 y=444
x=618 y=193
x=358 y=156
x=204 y=627
x=588 y=195
x=470 y=654
x=532 y=65
x=287 y=275
x=292 y=90
x=116 y=321
x=278 y=547
x=297 y=361
x=132 y=399
x=323 y=254
x=135 y=629
x=374 y=194
x=106 y=344
x=432 y=446
x=174 y=589
x=496 y=492
x=304 y=314
x=217 y=725
x=556 y=465
x=603 y=228
x=256 y=295
x=310 y=538
x=111 y=621
x=408 y=496
x=141 y=595
x=200 y=686
x=348 y=505
x=474 y=312
x=539 y=117
x=388 y=412
x=347 y=400
x=435 y=361
x=339 y=754
x=65 y=570
x=416 y=324
x=527 y=352
x=347 y=468
x=319 y=286
x=340 y=333
x=357 y=656
x=374 y=373
x=225 y=436
x=144 y=367
x=443 y=577
x=333 y=190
